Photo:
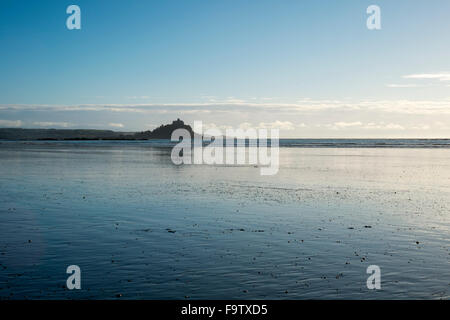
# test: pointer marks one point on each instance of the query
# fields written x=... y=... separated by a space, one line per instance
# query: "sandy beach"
x=140 y=227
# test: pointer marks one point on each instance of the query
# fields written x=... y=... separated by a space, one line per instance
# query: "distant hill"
x=162 y=132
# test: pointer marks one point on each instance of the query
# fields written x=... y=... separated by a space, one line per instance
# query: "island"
x=162 y=132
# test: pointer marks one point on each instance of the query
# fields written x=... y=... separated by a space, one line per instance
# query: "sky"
x=310 y=68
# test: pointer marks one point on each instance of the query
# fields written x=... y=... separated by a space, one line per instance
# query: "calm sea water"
x=140 y=227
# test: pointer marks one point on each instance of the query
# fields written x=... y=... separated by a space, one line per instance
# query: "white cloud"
x=404 y=86
x=52 y=124
x=10 y=123
x=245 y=126
x=441 y=76
x=383 y=126
x=281 y=125
x=306 y=106
x=421 y=127
x=207 y=126
x=441 y=125
x=137 y=97
x=233 y=100
x=360 y=125
x=116 y=125
x=343 y=125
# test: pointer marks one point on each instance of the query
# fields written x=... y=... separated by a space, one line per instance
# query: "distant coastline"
x=162 y=132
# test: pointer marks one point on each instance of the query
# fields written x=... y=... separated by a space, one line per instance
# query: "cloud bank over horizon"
x=299 y=118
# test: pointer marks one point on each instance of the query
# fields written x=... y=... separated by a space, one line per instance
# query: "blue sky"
x=310 y=68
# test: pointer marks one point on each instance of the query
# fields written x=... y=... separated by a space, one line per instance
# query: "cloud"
x=52 y=124
x=421 y=127
x=442 y=76
x=383 y=126
x=137 y=97
x=343 y=125
x=281 y=125
x=366 y=126
x=245 y=126
x=234 y=100
x=207 y=126
x=404 y=86
x=115 y=125
x=305 y=106
x=10 y=123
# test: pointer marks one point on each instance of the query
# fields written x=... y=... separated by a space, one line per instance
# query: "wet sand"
x=140 y=227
